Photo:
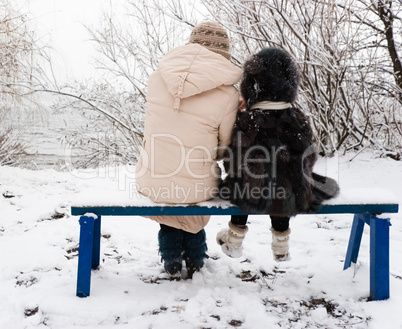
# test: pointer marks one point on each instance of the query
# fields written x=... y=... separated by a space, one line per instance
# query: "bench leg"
x=379 y=258
x=379 y=252
x=354 y=240
x=96 y=243
x=85 y=255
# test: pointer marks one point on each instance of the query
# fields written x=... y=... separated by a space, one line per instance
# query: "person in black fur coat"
x=269 y=163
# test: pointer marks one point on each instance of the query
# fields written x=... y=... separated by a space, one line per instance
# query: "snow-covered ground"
x=38 y=260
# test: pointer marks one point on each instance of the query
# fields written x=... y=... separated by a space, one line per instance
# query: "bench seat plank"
x=175 y=210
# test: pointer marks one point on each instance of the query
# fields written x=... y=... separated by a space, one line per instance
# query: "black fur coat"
x=269 y=164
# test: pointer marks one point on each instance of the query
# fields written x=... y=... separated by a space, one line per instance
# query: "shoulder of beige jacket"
x=192 y=69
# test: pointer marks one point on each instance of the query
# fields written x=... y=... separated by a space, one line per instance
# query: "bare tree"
x=341 y=62
x=346 y=85
x=18 y=53
x=382 y=22
x=349 y=83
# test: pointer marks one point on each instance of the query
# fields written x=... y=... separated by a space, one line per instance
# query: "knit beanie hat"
x=212 y=36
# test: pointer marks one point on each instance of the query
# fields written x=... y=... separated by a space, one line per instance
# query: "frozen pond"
x=46 y=134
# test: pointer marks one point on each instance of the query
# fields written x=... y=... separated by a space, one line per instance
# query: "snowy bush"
x=113 y=118
x=12 y=149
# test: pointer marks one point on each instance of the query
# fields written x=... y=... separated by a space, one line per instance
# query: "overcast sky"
x=61 y=23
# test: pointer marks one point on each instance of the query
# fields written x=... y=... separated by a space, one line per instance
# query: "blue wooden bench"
x=90 y=234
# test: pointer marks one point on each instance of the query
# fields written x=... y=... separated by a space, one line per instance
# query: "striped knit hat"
x=213 y=36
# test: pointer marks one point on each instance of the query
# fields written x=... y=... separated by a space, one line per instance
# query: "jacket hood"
x=192 y=69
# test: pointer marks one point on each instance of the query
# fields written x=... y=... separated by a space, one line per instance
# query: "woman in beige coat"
x=191 y=109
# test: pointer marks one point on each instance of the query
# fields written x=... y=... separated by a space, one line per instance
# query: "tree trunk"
x=385 y=13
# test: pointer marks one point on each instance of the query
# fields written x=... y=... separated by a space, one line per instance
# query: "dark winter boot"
x=171 y=250
x=195 y=248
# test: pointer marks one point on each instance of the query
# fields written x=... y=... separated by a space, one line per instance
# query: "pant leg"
x=280 y=224
x=239 y=219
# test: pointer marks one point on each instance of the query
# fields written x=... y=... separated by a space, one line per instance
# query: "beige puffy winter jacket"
x=191 y=110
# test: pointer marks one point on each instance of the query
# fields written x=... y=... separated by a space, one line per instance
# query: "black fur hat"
x=270 y=75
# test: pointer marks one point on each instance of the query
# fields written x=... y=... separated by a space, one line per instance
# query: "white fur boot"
x=231 y=239
x=280 y=244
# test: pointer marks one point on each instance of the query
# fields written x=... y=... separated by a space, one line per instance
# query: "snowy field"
x=38 y=257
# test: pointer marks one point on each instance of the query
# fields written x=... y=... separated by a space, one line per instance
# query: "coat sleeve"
x=227 y=123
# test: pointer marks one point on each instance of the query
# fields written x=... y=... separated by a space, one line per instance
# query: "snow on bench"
x=365 y=204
